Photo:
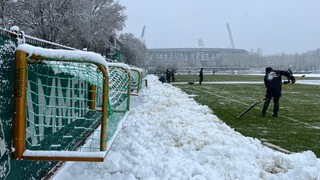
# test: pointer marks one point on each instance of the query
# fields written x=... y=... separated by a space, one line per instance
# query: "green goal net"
x=136 y=79
x=58 y=114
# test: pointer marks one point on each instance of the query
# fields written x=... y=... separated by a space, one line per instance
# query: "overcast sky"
x=275 y=26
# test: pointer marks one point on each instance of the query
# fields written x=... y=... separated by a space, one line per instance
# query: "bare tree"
x=93 y=22
x=4 y=20
x=77 y=23
x=2 y=13
x=41 y=18
x=133 y=49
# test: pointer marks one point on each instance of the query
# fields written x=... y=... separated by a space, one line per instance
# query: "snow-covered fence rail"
x=18 y=35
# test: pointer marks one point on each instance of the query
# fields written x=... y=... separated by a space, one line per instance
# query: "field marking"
x=307 y=124
x=233 y=100
x=306 y=82
x=273 y=146
x=221 y=96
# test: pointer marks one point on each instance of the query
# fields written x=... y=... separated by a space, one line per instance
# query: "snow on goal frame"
x=62 y=105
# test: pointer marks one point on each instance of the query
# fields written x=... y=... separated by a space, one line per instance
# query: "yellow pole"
x=92 y=97
x=104 y=119
x=20 y=85
x=140 y=80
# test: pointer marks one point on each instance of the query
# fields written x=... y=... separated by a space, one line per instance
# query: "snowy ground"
x=167 y=135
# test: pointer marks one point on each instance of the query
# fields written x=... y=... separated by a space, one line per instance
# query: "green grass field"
x=296 y=129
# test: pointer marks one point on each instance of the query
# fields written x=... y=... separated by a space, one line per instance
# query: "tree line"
x=76 y=23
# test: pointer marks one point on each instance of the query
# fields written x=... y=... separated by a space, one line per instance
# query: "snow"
x=15 y=28
x=168 y=135
x=121 y=65
x=58 y=54
x=31 y=153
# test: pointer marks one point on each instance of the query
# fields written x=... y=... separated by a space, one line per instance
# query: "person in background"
x=172 y=76
x=162 y=79
x=273 y=84
x=168 y=74
x=200 y=75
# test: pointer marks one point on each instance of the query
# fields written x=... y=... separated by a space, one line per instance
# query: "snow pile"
x=168 y=135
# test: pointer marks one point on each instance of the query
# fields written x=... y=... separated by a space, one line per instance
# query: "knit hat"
x=268 y=69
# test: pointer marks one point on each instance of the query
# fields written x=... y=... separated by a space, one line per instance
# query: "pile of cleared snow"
x=169 y=136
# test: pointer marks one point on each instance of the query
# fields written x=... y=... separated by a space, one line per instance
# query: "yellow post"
x=140 y=81
x=104 y=119
x=20 y=85
x=92 y=97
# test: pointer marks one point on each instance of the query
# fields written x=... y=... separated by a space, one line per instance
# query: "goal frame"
x=19 y=122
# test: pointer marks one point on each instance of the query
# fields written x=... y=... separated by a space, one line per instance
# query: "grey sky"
x=275 y=26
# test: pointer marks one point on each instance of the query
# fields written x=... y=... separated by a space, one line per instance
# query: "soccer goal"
x=136 y=79
x=62 y=105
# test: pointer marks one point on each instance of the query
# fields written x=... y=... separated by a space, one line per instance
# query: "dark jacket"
x=168 y=74
x=162 y=79
x=273 y=82
x=201 y=74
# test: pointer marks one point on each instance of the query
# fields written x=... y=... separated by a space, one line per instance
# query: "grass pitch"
x=296 y=129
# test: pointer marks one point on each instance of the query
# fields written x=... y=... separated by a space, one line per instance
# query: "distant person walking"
x=273 y=84
x=168 y=74
x=200 y=75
